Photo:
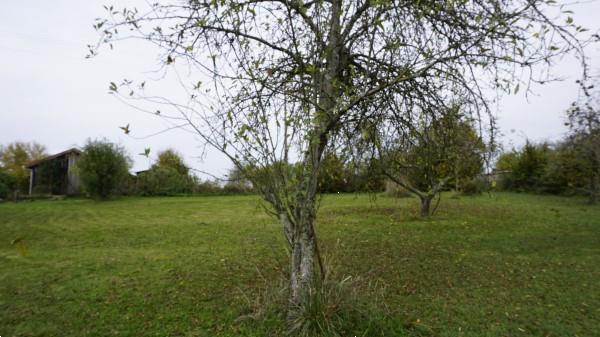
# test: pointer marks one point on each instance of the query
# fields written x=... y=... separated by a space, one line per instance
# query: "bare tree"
x=270 y=82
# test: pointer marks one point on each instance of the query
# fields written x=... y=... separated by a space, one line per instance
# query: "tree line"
x=566 y=167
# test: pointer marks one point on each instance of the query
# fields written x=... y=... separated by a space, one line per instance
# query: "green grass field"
x=506 y=265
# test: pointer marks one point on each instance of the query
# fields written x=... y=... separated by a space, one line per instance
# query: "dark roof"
x=39 y=161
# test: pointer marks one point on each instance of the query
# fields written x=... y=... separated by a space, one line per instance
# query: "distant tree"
x=13 y=158
x=237 y=182
x=507 y=160
x=566 y=171
x=524 y=169
x=424 y=154
x=103 y=168
x=366 y=176
x=7 y=183
x=173 y=159
x=164 y=180
x=556 y=168
x=334 y=176
x=207 y=187
x=345 y=172
x=169 y=175
x=584 y=124
x=529 y=170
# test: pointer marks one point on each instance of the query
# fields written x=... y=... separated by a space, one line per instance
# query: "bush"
x=168 y=176
x=173 y=159
x=237 y=182
x=542 y=168
x=8 y=184
x=207 y=187
x=475 y=186
x=103 y=168
x=333 y=175
x=164 y=181
x=342 y=175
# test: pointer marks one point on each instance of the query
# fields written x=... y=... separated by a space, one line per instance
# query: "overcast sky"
x=51 y=94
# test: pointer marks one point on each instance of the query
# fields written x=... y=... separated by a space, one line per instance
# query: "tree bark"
x=302 y=274
x=304 y=240
x=425 y=205
x=288 y=228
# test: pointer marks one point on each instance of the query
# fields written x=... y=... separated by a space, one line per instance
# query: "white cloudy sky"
x=51 y=94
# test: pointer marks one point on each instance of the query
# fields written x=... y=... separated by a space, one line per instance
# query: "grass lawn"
x=509 y=265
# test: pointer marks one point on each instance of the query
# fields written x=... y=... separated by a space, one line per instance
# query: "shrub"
x=475 y=186
x=8 y=184
x=103 y=167
x=543 y=168
x=168 y=176
x=237 y=182
x=207 y=187
x=173 y=159
x=333 y=176
x=164 y=181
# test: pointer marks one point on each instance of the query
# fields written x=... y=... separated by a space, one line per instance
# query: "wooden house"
x=55 y=174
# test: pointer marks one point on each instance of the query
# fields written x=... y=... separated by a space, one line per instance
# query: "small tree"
x=529 y=169
x=168 y=176
x=566 y=170
x=13 y=158
x=424 y=154
x=103 y=167
x=173 y=159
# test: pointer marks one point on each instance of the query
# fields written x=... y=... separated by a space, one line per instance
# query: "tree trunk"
x=288 y=227
x=302 y=274
x=304 y=241
x=425 y=205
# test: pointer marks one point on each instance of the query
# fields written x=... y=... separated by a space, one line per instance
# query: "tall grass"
x=338 y=305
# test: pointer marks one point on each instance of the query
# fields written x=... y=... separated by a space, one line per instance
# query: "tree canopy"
x=274 y=81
